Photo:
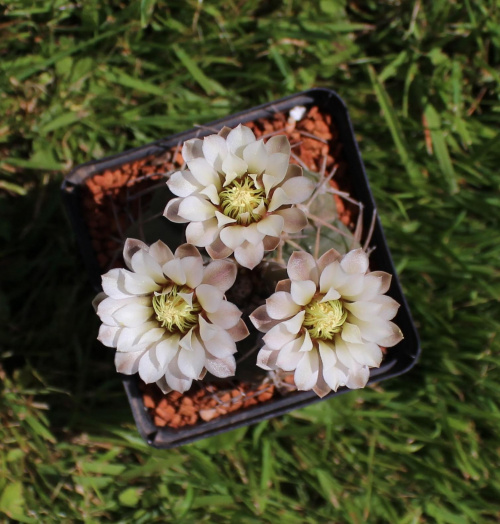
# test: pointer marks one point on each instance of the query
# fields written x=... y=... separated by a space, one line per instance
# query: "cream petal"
x=306 y=374
x=327 y=354
x=321 y=388
x=220 y=274
x=271 y=225
x=144 y=264
x=164 y=387
x=303 y=291
x=334 y=377
x=175 y=378
x=191 y=149
x=281 y=305
x=172 y=211
x=307 y=344
x=221 y=345
x=128 y=338
x=355 y=262
x=233 y=167
x=202 y=234
x=290 y=355
x=351 y=333
x=239 y=332
x=218 y=250
x=327 y=258
x=166 y=350
x=196 y=209
x=386 y=280
x=389 y=307
x=232 y=236
x=278 y=336
x=371 y=288
x=160 y=252
x=261 y=320
x=331 y=277
x=131 y=247
x=212 y=194
x=358 y=377
x=366 y=354
x=382 y=332
x=278 y=144
x=252 y=233
x=239 y=138
x=204 y=173
x=108 y=335
x=255 y=155
x=133 y=315
x=295 y=219
x=221 y=368
x=137 y=284
x=276 y=169
x=302 y=266
x=223 y=220
x=151 y=336
x=215 y=151
x=112 y=284
x=293 y=171
x=149 y=367
x=193 y=269
x=295 y=323
x=343 y=353
x=266 y=358
x=192 y=362
x=174 y=269
x=98 y=299
x=293 y=191
x=249 y=255
x=128 y=363
x=332 y=294
x=187 y=250
x=352 y=286
x=226 y=316
x=107 y=307
x=209 y=297
x=183 y=184
x=223 y=132
x=364 y=310
x=394 y=338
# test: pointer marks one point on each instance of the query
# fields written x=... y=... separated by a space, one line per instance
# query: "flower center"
x=243 y=201
x=173 y=311
x=324 y=319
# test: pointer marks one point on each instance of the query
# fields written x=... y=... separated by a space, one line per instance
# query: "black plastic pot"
x=398 y=359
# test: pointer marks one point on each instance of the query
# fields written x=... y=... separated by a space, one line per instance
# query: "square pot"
x=397 y=360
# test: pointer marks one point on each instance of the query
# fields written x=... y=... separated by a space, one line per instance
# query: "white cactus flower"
x=168 y=317
x=238 y=194
x=328 y=321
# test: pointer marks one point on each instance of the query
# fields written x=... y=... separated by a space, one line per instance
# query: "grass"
x=80 y=81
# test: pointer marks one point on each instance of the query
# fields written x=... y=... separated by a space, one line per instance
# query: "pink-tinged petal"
x=112 y=284
x=343 y=353
x=204 y=173
x=393 y=338
x=226 y=316
x=351 y=333
x=128 y=338
x=220 y=274
x=223 y=220
x=255 y=155
x=221 y=368
x=270 y=243
x=261 y=320
x=183 y=184
x=108 y=335
x=295 y=323
x=388 y=307
x=271 y=225
x=331 y=277
x=172 y=211
x=295 y=219
x=193 y=269
x=249 y=255
x=133 y=315
x=364 y=310
x=332 y=255
x=358 y=377
x=292 y=191
x=239 y=138
x=306 y=374
x=386 y=280
x=232 y=236
x=302 y=266
x=212 y=194
x=252 y=233
x=136 y=284
x=218 y=250
x=131 y=247
x=174 y=270
x=149 y=368
x=107 y=307
x=164 y=387
x=352 y=286
x=366 y=354
x=191 y=363
x=160 y=252
x=209 y=297
x=128 y=363
x=196 y=209
x=266 y=359
x=284 y=285
x=191 y=149
x=144 y=264
x=187 y=250
x=355 y=262
x=289 y=355
x=202 y=234
x=278 y=144
x=166 y=350
x=321 y=388
x=239 y=332
x=224 y=132
x=335 y=377
x=281 y=305
x=233 y=167
x=221 y=345
x=303 y=291
x=332 y=294
x=371 y=288
x=327 y=354
x=215 y=151
x=175 y=378
x=293 y=171
x=278 y=336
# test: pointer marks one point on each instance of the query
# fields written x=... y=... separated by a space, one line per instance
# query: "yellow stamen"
x=173 y=312
x=240 y=199
x=324 y=319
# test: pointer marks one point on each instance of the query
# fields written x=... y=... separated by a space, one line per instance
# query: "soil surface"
x=115 y=200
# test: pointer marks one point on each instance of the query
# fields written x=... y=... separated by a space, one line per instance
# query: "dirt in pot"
x=128 y=202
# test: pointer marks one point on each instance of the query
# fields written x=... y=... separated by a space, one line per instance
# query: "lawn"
x=421 y=79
